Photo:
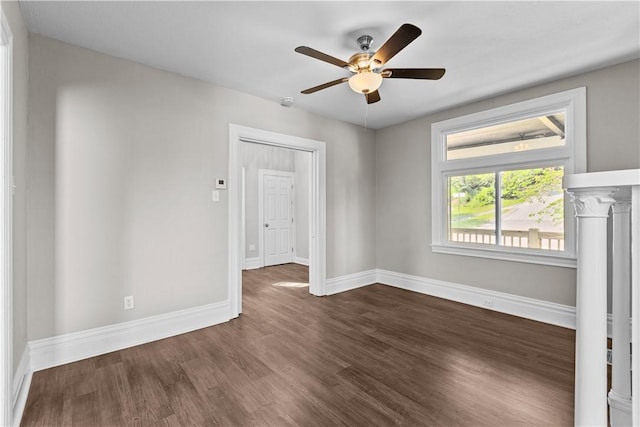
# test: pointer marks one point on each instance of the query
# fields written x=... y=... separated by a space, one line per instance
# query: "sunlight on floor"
x=523 y=388
x=291 y=284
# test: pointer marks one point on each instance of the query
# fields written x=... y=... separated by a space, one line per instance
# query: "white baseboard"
x=620 y=409
x=61 y=349
x=303 y=261
x=252 y=263
x=350 y=281
x=529 y=308
x=21 y=385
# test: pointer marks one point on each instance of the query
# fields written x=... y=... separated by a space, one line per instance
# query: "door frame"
x=6 y=223
x=317 y=211
x=261 y=174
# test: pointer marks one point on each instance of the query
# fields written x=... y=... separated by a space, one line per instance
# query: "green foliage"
x=531 y=184
x=518 y=186
x=484 y=197
x=472 y=186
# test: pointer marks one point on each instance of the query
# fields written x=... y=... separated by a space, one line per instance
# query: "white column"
x=635 y=300
x=592 y=207
x=620 y=394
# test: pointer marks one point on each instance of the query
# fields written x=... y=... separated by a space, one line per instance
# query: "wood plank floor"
x=374 y=356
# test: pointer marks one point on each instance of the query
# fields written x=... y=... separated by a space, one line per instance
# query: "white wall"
x=403 y=185
x=259 y=156
x=12 y=12
x=122 y=162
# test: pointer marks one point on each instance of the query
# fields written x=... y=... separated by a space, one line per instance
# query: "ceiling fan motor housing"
x=361 y=61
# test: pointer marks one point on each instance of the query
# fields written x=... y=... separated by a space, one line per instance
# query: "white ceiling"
x=487 y=47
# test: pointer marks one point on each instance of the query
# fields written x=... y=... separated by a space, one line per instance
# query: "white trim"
x=317 y=219
x=21 y=386
x=513 y=255
x=617 y=178
x=635 y=300
x=619 y=409
x=529 y=308
x=6 y=227
x=302 y=261
x=252 y=263
x=67 y=348
x=348 y=282
x=572 y=156
x=292 y=236
x=243 y=222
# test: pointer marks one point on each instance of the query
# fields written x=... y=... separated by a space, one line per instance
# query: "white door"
x=277 y=217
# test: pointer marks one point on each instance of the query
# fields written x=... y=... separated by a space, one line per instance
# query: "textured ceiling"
x=487 y=47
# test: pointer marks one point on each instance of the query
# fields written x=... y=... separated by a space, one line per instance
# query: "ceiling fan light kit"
x=365 y=82
x=365 y=64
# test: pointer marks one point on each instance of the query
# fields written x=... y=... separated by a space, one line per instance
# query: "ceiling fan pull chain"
x=366 y=114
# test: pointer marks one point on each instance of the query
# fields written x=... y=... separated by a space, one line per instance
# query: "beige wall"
x=403 y=186
x=12 y=12
x=122 y=161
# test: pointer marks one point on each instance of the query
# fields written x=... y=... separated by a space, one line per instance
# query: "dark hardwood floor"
x=374 y=356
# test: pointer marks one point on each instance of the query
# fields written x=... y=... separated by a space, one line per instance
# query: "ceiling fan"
x=366 y=65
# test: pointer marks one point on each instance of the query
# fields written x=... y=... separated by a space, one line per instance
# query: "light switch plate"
x=215 y=196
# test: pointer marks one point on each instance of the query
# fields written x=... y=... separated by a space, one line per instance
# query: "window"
x=497 y=180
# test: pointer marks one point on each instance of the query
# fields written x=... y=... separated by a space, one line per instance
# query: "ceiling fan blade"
x=321 y=56
x=324 y=86
x=413 y=73
x=398 y=41
x=372 y=97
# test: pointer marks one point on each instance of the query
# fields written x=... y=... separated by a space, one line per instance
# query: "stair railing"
x=593 y=196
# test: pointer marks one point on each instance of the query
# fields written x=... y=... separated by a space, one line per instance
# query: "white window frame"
x=572 y=156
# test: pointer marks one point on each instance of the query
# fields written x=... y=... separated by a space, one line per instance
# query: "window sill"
x=511 y=254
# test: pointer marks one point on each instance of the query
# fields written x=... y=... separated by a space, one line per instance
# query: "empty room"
x=264 y=213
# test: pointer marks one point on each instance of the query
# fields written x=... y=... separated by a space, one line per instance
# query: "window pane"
x=532 y=208
x=521 y=135
x=472 y=208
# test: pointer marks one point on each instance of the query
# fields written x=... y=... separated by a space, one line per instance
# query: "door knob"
x=266 y=224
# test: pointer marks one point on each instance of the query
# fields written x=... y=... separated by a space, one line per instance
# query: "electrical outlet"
x=488 y=303
x=128 y=302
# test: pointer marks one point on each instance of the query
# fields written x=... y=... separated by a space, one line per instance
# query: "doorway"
x=317 y=206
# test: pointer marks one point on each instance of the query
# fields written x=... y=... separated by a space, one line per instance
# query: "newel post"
x=620 y=394
x=592 y=209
